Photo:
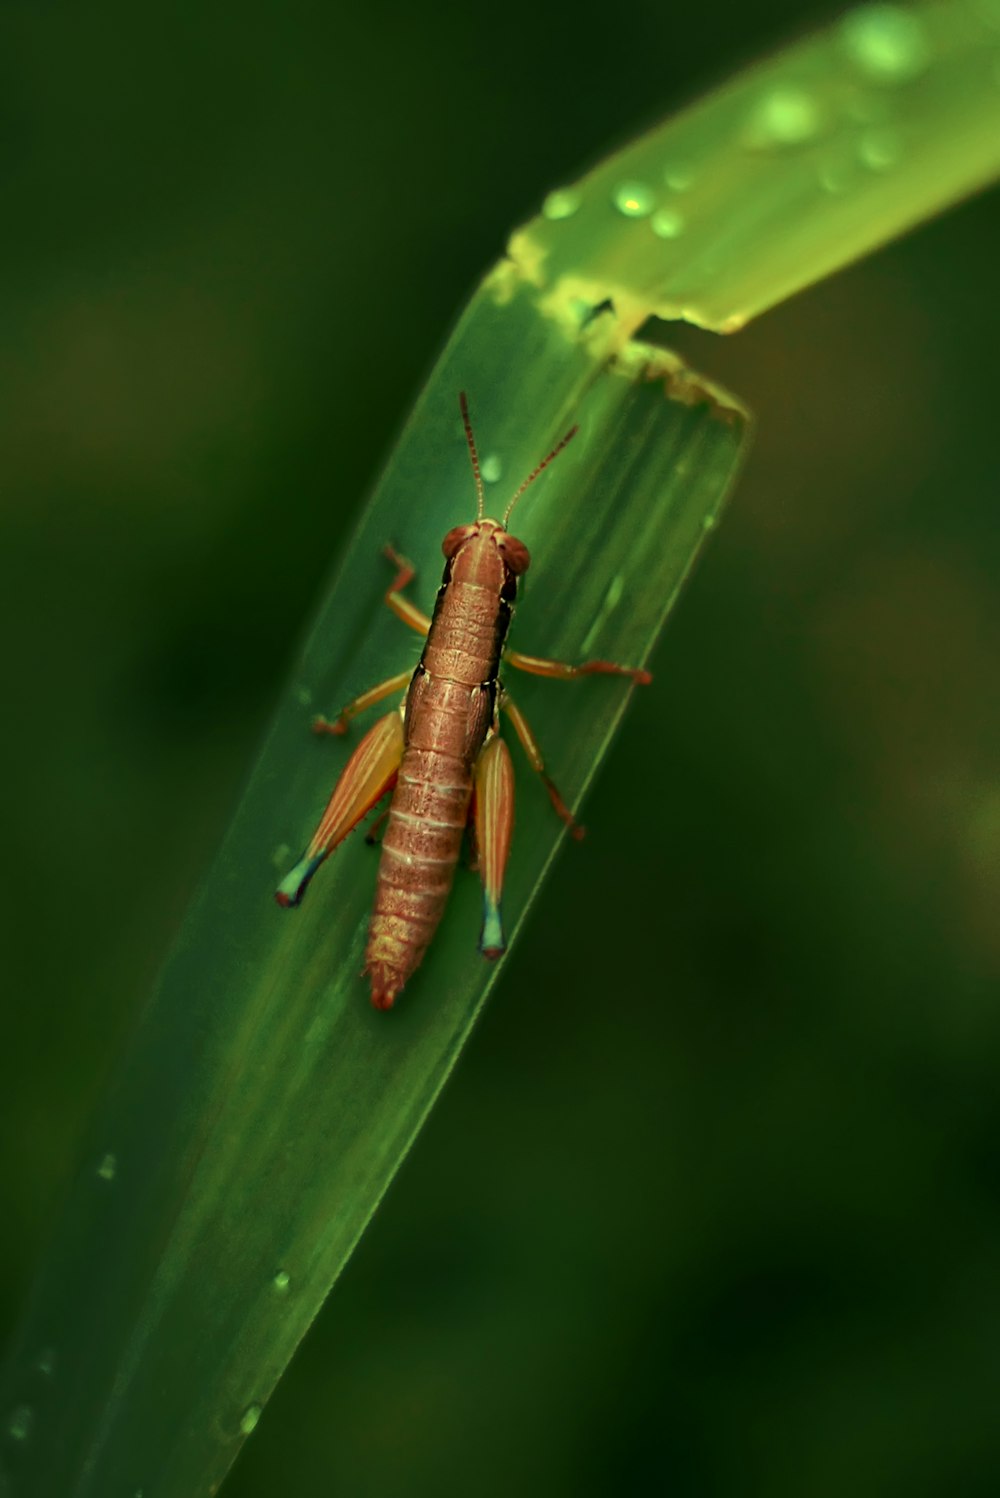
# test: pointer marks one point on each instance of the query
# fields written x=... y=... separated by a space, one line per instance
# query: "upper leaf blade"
x=783 y=175
x=265 y=1106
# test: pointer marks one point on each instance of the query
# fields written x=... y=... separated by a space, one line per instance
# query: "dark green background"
x=712 y=1205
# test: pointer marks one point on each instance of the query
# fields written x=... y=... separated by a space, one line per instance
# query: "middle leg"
x=402 y=607
x=341 y=723
x=530 y=745
x=537 y=665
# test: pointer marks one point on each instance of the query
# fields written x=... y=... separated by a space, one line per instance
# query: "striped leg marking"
x=493 y=780
x=368 y=774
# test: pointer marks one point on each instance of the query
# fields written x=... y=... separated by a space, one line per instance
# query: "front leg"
x=402 y=607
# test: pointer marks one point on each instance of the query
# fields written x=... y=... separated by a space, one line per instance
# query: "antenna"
x=543 y=464
x=470 y=439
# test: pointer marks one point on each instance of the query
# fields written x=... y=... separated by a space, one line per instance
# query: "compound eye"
x=516 y=554
x=453 y=540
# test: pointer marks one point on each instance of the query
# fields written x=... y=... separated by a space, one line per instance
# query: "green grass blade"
x=788 y=172
x=264 y=1106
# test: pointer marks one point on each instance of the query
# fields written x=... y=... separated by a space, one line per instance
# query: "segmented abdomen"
x=450 y=707
x=420 y=849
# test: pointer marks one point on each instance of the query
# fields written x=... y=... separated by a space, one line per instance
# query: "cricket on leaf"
x=440 y=753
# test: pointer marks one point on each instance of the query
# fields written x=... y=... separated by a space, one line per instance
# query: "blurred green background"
x=712 y=1204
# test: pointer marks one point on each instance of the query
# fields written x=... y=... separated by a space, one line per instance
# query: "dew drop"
x=838 y=175
x=679 y=178
x=667 y=223
x=562 y=203
x=46 y=1361
x=108 y=1167
x=249 y=1418
x=19 y=1422
x=491 y=469
x=634 y=199
x=708 y=523
x=786 y=116
x=879 y=150
x=886 y=42
x=281 y=1282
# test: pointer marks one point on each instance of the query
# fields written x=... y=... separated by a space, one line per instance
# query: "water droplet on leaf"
x=108 y=1167
x=249 y=1418
x=679 y=178
x=888 y=44
x=786 y=116
x=19 y=1422
x=634 y=199
x=562 y=203
x=667 y=223
x=879 y=150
